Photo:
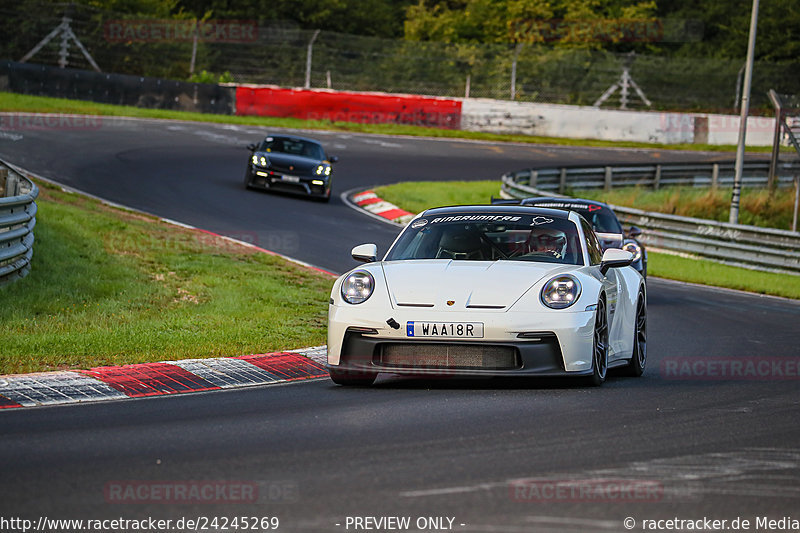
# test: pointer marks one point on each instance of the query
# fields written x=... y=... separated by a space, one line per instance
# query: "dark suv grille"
x=283 y=170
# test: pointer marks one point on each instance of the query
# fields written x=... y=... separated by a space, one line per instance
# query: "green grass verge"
x=716 y=274
x=757 y=207
x=12 y=102
x=416 y=197
x=111 y=287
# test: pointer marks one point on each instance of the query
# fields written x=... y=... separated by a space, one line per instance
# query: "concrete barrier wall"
x=473 y=114
x=724 y=129
x=550 y=120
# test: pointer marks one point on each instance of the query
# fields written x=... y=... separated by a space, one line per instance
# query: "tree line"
x=712 y=28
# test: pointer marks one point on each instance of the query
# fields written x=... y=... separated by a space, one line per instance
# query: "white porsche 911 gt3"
x=489 y=291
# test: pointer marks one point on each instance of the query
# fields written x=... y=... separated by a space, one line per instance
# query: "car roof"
x=292 y=137
x=494 y=210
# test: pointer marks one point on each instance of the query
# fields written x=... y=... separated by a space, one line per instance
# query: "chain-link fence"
x=277 y=54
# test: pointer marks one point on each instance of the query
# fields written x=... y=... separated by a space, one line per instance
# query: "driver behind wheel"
x=550 y=241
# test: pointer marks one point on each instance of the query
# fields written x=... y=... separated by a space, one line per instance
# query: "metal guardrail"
x=755 y=174
x=17 y=219
x=735 y=244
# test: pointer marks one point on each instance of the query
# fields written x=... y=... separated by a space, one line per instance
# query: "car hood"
x=284 y=161
x=470 y=284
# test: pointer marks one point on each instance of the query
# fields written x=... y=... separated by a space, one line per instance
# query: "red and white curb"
x=372 y=203
x=158 y=379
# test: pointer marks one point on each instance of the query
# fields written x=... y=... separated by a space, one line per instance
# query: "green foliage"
x=726 y=26
x=207 y=77
x=561 y=23
x=382 y=18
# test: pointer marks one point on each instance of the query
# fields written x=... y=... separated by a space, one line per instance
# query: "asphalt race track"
x=194 y=173
x=492 y=455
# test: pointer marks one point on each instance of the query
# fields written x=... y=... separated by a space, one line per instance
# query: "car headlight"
x=323 y=170
x=358 y=287
x=633 y=248
x=561 y=292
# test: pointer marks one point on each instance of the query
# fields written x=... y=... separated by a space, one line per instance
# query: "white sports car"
x=489 y=291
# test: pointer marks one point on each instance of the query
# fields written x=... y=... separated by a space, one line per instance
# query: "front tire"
x=248 y=180
x=352 y=379
x=639 y=356
x=600 y=346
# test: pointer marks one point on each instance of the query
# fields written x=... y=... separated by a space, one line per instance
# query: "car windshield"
x=602 y=219
x=292 y=146
x=490 y=237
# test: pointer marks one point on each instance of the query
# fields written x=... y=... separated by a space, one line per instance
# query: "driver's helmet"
x=551 y=240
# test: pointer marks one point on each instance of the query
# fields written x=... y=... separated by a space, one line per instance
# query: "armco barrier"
x=735 y=244
x=17 y=219
x=370 y=108
x=754 y=174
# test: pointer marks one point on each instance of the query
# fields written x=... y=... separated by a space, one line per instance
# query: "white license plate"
x=445 y=330
x=291 y=179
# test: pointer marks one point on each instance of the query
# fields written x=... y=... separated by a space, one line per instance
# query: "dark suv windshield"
x=490 y=237
x=292 y=146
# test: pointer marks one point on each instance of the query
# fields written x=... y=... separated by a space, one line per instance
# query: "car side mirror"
x=333 y=159
x=634 y=232
x=252 y=147
x=615 y=258
x=366 y=253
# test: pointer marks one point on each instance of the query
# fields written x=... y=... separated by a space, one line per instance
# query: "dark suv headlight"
x=634 y=248
x=259 y=161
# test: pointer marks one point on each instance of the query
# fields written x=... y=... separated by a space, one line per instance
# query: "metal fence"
x=734 y=244
x=269 y=52
x=17 y=219
x=562 y=179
